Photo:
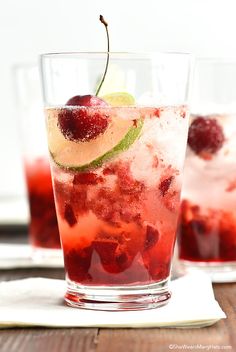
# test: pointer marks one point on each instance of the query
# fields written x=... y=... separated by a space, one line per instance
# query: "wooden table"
x=118 y=340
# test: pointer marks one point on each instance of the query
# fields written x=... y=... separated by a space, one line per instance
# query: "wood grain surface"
x=214 y=338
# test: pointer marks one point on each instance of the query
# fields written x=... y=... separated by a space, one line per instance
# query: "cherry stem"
x=108 y=55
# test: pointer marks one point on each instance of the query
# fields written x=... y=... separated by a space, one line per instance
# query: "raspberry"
x=205 y=136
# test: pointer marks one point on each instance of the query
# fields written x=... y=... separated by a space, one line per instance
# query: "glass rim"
x=137 y=54
x=215 y=59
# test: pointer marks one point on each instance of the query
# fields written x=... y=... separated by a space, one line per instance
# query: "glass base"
x=117 y=298
x=45 y=256
x=218 y=272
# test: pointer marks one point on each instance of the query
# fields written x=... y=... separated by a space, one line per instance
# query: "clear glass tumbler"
x=207 y=232
x=117 y=162
x=43 y=229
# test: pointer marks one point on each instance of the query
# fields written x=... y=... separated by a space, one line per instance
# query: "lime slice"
x=119 y=99
x=80 y=156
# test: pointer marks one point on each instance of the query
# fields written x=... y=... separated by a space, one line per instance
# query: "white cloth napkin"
x=39 y=302
x=20 y=256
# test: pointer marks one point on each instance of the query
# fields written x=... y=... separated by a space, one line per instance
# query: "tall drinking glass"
x=117 y=164
x=43 y=229
x=207 y=233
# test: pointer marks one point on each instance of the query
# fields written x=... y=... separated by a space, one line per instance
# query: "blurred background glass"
x=207 y=233
x=43 y=229
x=27 y=28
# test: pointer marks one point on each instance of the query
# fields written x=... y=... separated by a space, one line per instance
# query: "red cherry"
x=86 y=100
x=82 y=124
x=205 y=135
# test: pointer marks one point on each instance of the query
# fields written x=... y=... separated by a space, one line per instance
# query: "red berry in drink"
x=205 y=135
x=152 y=237
x=82 y=125
x=165 y=185
x=87 y=178
x=77 y=262
x=86 y=100
x=106 y=250
x=69 y=215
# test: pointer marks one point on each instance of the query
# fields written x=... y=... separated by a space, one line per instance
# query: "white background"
x=31 y=27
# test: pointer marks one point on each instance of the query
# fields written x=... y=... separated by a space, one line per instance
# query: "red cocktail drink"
x=116 y=162
x=43 y=228
x=117 y=213
x=207 y=231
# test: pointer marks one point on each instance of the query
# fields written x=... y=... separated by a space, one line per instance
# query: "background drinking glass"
x=117 y=171
x=43 y=229
x=207 y=233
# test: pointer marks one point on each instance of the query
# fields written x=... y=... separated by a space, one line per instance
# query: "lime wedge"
x=119 y=99
x=123 y=145
x=80 y=156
